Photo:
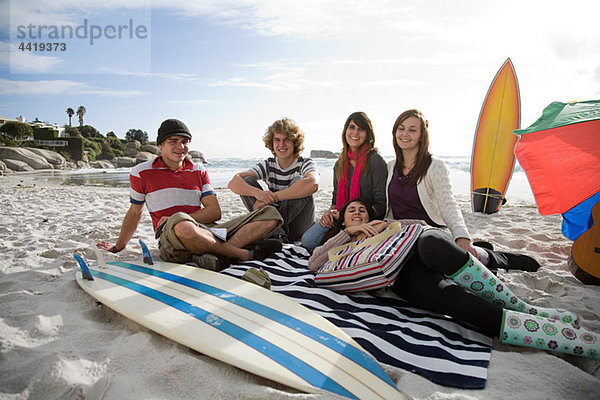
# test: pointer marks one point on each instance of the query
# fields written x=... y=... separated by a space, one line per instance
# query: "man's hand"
x=328 y=219
x=265 y=197
x=104 y=245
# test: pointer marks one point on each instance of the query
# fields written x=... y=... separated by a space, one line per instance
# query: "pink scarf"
x=360 y=155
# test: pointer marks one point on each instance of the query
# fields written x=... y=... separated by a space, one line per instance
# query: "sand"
x=57 y=342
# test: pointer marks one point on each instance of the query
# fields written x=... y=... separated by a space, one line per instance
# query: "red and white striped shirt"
x=165 y=191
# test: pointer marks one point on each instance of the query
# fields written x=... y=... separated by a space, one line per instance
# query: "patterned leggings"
x=423 y=282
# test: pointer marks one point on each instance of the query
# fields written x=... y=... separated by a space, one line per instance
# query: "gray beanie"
x=172 y=127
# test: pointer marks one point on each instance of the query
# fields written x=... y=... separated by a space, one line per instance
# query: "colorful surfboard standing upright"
x=493 y=158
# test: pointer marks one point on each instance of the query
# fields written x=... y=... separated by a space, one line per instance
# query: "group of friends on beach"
x=446 y=272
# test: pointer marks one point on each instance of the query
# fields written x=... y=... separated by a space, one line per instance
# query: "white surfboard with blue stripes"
x=241 y=324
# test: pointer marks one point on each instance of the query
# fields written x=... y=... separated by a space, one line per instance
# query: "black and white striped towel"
x=393 y=332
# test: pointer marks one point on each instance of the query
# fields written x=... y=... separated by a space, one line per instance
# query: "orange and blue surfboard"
x=493 y=157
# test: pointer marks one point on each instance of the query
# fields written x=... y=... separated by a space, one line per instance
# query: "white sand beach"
x=56 y=342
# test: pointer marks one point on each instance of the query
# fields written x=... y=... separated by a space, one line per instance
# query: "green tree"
x=80 y=112
x=70 y=113
x=71 y=132
x=107 y=152
x=111 y=136
x=89 y=131
x=16 y=129
x=137 y=134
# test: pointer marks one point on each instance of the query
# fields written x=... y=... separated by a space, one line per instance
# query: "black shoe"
x=265 y=248
x=508 y=261
x=484 y=244
x=280 y=234
x=211 y=262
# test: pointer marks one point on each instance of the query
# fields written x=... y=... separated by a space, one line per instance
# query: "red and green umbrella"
x=560 y=154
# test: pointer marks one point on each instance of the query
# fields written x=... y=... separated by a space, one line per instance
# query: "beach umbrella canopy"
x=560 y=154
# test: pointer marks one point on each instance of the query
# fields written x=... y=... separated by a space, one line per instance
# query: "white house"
x=34 y=124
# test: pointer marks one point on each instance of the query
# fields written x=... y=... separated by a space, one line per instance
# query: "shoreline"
x=56 y=342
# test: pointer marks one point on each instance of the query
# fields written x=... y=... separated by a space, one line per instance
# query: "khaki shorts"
x=172 y=250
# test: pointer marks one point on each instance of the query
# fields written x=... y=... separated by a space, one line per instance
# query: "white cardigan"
x=435 y=193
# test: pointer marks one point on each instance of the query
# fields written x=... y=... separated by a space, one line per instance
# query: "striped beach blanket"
x=395 y=333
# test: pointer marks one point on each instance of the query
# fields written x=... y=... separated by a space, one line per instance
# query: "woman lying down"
x=443 y=278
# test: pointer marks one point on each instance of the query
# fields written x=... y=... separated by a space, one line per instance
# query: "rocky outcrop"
x=29 y=159
x=131 y=152
x=197 y=156
x=150 y=148
x=323 y=154
x=16 y=165
x=102 y=164
x=144 y=156
x=124 y=162
x=134 y=144
x=33 y=160
x=54 y=158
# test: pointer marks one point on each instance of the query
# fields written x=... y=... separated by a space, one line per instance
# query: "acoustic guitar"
x=584 y=262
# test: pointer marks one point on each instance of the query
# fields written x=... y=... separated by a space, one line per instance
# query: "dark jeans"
x=298 y=214
x=423 y=282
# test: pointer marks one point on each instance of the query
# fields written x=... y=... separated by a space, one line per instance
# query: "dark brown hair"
x=363 y=122
x=423 y=156
x=339 y=224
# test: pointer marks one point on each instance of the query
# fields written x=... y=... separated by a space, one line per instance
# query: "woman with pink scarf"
x=360 y=171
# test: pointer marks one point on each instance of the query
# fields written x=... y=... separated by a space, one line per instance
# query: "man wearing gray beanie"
x=184 y=209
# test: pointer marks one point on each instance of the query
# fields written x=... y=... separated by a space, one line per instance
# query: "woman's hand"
x=364 y=231
x=328 y=219
x=379 y=225
x=466 y=245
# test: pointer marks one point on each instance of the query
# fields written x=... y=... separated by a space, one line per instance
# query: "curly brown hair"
x=288 y=127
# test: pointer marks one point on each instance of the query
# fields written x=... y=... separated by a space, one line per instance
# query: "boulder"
x=134 y=144
x=2 y=166
x=150 y=148
x=17 y=165
x=125 y=162
x=144 y=156
x=323 y=154
x=54 y=158
x=82 y=164
x=102 y=164
x=131 y=152
x=32 y=159
x=197 y=156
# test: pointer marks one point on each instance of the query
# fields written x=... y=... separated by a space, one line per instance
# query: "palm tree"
x=80 y=111
x=70 y=113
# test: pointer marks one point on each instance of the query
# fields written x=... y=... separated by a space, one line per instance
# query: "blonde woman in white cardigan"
x=418 y=187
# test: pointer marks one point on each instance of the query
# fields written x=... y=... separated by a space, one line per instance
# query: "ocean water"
x=222 y=170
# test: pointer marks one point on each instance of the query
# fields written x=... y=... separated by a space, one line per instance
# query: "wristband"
x=114 y=249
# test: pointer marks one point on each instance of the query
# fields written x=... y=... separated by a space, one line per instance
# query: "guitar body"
x=584 y=262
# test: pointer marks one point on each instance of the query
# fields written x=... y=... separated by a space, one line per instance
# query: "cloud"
x=55 y=87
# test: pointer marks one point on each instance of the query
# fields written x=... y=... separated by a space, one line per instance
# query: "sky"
x=229 y=68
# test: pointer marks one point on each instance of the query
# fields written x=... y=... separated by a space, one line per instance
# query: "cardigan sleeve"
x=320 y=255
x=444 y=199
